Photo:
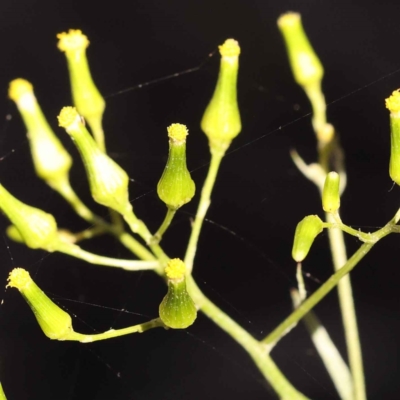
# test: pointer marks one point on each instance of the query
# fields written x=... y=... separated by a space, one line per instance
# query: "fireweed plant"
x=109 y=183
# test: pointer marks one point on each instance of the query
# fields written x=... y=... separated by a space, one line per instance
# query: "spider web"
x=243 y=262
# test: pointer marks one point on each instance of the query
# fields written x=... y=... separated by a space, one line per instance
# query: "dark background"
x=244 y=261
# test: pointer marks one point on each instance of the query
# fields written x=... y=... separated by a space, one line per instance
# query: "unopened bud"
x=50 y=159
x=331 y=193
x=54 y=321
x=177 y=310
x=37 y=228
x=107 y=180
x=306 y=232
x=221 y=120
x=176 y=187
x=393 y=105
x=86 y=96
x=306 y=66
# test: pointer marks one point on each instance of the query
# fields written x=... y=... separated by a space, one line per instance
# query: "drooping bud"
x=177 y=310
x=37 y=228
x=54 y=321
x=393 y=105
x=176 y=187
x=306 y=232
x=221 y=120
x=107 y=180
x=306 y=66
x=331 y=193
x=50 y=159
x=86 y=96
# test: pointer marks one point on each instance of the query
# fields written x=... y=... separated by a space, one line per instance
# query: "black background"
x=244 y=261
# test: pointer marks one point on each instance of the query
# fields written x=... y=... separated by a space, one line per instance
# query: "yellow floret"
x=177 y=132
x=230 y=48
x=19 y=87
x=393 y=102
x=175 y=269
x=67 y=117
x=72 y=40
x=19 y=278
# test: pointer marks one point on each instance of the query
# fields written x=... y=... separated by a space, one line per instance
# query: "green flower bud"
x=55 y=322
x=108 y=181
x=176 y=187
x=50 y=159
x=177 y=310
x=331 y=193
x=37 y=228
x=306 y=66
x=306 y=231
x=86 y=96
x=393 y=105
x=221 y=120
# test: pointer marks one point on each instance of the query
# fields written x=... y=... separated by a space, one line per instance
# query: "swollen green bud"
x=306 y=66
x=108 y=181
x=393 y=105
x=50 y=159
x=331 y=193
x=306 y=231
x=221 y=120
x=86 y=96
x=37 y=228
x=176 y=187
x=177 y=310
x=55 y=322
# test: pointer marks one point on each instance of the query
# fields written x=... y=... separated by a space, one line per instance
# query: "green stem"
x=253 y=347
x=139 y=227
x=164 y=226
x=349 y=317
x=129 y=265
x=333 y=361
x=205 y=201
x=83 y=338
x=317 y=296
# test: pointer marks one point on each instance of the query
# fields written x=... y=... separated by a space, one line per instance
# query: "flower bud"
x=177 y=310
x=176 y=187
x=50 y=159
x=107 y=180
x=306 y=66
x=86 y=96
x=221 y=120
x=331 y=193
x=37 y=228
x=393 y=105
x=55 y=322
x=306 y=231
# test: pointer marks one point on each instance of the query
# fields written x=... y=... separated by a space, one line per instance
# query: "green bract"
x=306 y=231
x=55 y=322
x=177 y=310
x=108 y=181
x=176 y=187
x=331 y=193
x=221 y=120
